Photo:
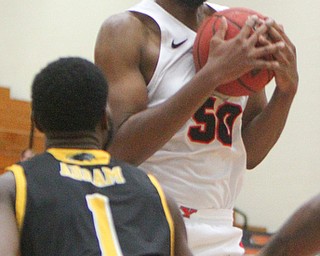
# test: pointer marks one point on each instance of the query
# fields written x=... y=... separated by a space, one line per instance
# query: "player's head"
x=69 y=95
x=191 y=3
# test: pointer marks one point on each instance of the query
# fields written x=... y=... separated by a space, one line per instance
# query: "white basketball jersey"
x=203 y=164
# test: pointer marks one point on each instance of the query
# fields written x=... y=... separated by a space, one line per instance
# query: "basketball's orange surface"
x=253 y=81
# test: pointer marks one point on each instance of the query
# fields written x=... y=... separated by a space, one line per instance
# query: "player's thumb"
x=222 y=30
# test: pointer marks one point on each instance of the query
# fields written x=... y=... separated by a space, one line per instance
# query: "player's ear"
x=104 y=120
x=107 y=126
x=36 y=123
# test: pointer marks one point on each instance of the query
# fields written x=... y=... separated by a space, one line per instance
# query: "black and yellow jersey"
x=85 y=203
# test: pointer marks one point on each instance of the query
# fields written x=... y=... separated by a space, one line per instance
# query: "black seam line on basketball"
x=245 y=86
x=231 y=21
x=174 y=46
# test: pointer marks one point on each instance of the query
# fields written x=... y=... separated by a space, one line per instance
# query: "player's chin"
x=192 y=3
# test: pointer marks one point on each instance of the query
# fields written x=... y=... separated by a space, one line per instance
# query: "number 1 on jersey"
x=104 y=226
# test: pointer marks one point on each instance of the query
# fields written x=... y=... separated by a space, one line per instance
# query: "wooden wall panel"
x=14 y=114
x=15 y=125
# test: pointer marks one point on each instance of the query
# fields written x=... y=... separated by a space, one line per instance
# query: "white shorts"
x=211 y=233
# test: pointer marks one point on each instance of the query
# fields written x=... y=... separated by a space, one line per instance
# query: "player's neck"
x=85 y=140
x=190 y=16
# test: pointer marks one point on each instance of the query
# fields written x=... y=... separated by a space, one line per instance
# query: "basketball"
x=251 y=82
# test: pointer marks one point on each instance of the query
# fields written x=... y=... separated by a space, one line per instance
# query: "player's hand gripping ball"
x=251 y=82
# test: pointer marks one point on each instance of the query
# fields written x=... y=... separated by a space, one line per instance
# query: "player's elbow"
x=253 y=162
x=251 y=166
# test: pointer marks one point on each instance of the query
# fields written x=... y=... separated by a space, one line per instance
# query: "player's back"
x=82 y=202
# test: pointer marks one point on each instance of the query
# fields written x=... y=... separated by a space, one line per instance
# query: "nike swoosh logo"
x=175 y=45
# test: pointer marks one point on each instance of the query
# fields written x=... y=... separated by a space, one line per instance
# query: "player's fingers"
x=260 y=33
x=249 y=26
x=221 y=32
x=281 y=58
x=284 y=55
x=268 y=50
x=276 y=32
x=264 y=64
x=264 y=40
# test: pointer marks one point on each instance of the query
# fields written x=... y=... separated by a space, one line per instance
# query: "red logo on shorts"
x=187 y=211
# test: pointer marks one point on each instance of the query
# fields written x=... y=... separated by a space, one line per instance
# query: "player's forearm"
x=261 y=134
x=141 y=135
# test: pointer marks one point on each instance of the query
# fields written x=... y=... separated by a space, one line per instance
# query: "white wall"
x=35 y=32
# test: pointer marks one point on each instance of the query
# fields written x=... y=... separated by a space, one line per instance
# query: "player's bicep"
x=127 y=97
x=118 y=53
x=9 y=236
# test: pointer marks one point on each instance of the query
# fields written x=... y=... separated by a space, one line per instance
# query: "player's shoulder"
x=121 y=23
x=7 y=185
x=120 y=31
x=6 y=178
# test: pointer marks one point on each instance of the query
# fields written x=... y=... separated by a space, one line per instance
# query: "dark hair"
x=70 y=94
